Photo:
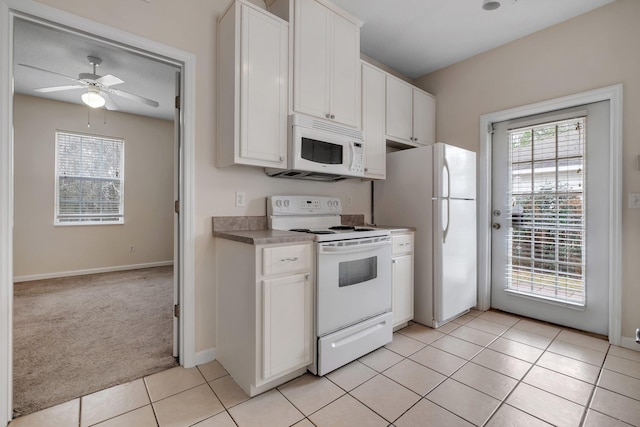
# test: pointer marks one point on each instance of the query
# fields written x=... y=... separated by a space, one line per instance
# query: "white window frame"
x=87 y=219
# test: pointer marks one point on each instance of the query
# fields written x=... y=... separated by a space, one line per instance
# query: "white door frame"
x=614 y=95
x=186 y=61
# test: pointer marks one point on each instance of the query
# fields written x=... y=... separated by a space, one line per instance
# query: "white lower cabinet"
x=286 y=324
x=402 y=279
x=264 y=312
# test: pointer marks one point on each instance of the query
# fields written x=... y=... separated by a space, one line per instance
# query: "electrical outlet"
x=634 y=200
x=240 y=198
x=132 y=249
x=349 y=201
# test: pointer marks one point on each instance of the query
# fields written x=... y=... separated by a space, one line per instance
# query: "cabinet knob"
x=328 y=116
x=366 y=169
x=394 y=261
x=281 y=158
x=333 y=116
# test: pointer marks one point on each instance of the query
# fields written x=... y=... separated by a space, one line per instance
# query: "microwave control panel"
x=357 y=164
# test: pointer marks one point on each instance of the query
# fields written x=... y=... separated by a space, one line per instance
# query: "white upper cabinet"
x=326 y=76
x=252 y=87
x=410 y=114
x=373 y=116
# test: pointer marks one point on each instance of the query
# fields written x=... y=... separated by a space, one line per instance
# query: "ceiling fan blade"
x=133 y=97
x=110 y=104
x=57 y=88
x=50 y=72
x=109 y=80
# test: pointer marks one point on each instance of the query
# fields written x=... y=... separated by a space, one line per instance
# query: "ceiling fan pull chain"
x=88 y=117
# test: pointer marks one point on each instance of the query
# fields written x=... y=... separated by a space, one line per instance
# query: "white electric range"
x=353 y=278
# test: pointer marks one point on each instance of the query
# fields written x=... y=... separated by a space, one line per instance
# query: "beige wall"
x=594 y=50
x=191 y=26
x=42 y=248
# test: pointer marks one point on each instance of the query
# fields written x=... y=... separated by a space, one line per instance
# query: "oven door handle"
x=351 y=249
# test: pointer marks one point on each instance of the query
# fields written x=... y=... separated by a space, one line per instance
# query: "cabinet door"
x=399 y=110
x=424 y=115
x=287 y=311
x=345 y=72
x=373 y=115
x=402 y=284
x=263 y=89
x=311 y=78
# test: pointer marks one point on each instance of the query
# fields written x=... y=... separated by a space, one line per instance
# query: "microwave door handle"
x=352 y=155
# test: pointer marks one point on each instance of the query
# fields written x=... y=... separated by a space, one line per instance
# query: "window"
x=547 y=237
x=89 y=179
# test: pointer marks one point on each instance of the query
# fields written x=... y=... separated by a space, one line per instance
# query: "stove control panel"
x=303 y=205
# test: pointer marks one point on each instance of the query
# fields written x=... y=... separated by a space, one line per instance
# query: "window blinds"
x=546 y=254
x=89 y=179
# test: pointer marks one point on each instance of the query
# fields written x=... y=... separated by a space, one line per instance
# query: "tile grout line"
x=504 y=401
x=593 y=390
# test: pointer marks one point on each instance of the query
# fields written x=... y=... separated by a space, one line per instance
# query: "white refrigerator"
x=433 y=189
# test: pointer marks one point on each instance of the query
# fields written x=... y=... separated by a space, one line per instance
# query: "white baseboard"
x=204 y=356
x=90 y=271
x=629 y=343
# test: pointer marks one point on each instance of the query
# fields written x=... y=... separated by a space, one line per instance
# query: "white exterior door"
x=550 y=217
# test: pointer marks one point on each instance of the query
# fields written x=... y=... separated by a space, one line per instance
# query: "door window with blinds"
x=89 y=179
x=546 y=240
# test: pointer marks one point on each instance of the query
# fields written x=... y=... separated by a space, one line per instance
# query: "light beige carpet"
x=78 y=335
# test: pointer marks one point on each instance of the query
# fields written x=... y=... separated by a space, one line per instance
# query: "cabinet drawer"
x=286 y=259
x=402 y=244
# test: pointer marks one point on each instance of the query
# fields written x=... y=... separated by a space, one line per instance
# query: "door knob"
x=496 y=226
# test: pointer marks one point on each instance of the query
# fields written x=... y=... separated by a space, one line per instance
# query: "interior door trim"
x=614 y=95
x=29 y=9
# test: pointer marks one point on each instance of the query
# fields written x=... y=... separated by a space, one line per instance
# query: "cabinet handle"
x=405 y=244
x=289 y=259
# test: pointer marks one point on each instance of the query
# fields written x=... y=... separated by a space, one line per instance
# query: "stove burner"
x=301 y=230
x=342 y=227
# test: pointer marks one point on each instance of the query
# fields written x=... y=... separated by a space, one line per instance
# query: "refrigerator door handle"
x=445 y=197
x=445 y=167
x=446 y=228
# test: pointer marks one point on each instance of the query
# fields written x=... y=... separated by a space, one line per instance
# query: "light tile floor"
x=483 y=369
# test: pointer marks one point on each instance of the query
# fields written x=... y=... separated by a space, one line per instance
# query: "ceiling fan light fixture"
x=93 y=98
x=490 y=4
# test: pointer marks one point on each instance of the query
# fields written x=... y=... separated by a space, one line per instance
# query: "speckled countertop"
x=264 y=237
x=395 y=229
x=253 y=229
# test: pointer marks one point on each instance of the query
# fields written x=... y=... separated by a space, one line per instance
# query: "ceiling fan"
x=99 y=88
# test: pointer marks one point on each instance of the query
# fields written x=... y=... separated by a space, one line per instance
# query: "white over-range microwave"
x=321 y=151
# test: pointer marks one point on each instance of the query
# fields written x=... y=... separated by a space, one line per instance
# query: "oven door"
x=354 y=282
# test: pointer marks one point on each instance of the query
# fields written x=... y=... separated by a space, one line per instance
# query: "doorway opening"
x=10 y=10
x=96 y=280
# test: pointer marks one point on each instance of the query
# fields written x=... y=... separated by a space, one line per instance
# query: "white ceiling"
x=414 y=37
x=66 y=53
